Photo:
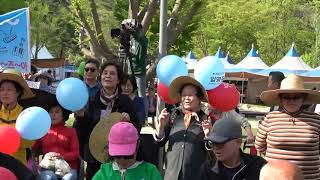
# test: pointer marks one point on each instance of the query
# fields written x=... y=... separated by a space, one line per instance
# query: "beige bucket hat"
x=291 y=84
x=179 y=82
x=98 y=142
x=16 y=76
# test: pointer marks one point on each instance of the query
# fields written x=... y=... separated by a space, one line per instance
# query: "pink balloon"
x=10 y=139
x=225 y=97
x=6 y=174
x=163 y=92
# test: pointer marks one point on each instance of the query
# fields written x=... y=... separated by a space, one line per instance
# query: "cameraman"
x=138 y=54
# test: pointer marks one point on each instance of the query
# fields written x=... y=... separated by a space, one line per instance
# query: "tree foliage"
x=73 y=28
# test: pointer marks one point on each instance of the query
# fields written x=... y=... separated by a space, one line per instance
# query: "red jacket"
x=63 y=140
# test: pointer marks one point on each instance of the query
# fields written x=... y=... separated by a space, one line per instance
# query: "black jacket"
x=186 y=151
x=16 y=167
x=250 y=170
x=84 y=125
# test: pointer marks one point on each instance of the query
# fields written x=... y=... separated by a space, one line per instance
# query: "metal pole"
x=162 y=52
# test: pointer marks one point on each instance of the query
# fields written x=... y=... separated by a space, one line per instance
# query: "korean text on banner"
x=14 y=40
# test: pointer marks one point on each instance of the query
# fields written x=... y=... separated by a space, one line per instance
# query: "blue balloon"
x=33 y=123
x=209 y=72
x=171 y=67
x=72 y=94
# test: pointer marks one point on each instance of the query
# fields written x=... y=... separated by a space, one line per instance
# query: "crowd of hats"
x=209 y=72
x=34 y=122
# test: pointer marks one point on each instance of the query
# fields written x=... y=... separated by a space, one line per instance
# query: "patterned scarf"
x=188 y=116
x=108 y=100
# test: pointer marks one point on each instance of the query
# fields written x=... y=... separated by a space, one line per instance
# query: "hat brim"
x=99 y=137
x=178 y=83
x=122 y=149
x=272 y=98
x=27 y=93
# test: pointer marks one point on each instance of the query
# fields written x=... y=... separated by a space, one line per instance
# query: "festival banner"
x=15 y=40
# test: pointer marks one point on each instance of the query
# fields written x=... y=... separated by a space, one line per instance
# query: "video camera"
x=123 y=33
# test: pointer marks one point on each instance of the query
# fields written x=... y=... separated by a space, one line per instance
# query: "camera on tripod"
x=124 y=33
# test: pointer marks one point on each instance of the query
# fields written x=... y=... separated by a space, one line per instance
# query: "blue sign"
x=15 y=41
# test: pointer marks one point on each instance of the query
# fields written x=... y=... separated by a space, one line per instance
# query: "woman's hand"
x=52 y=155
x=163 y=120
x=125 y=117
x=206 y=126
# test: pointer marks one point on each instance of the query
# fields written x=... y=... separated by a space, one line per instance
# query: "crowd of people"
x=202 y=142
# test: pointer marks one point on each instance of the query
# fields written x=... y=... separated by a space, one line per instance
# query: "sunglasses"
x=90 y=69
x=122 y=157
x=209 y=144
x=294 y=98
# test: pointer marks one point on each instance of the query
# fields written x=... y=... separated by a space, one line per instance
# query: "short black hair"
x=93 y=61
x=132 y=80
x=199 y=93
x=19 y=89
x=276 y=76
x=115 y=64
x=65 y=113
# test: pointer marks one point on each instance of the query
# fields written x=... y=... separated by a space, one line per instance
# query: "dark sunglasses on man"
x=210 y=144
x=90 y=69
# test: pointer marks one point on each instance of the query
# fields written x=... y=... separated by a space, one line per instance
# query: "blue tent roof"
x=253 y=52
x=312 y=73
x=293 y=52
x=219 y=53
x=229 y=59
x=191 y=55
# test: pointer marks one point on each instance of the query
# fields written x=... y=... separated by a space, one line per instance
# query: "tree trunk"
x=174 y=29
x=151 y=11
x=133 y=9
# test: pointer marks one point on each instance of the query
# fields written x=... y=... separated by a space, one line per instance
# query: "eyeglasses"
x=90 y=69
x=209 y=145
x=293 y=98
x=122 y=157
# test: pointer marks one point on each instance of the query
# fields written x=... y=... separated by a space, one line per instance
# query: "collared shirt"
x=9 y=117
x=93 y=89
x=138 y=171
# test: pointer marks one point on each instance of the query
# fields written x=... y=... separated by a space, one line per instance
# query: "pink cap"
x=123 y=138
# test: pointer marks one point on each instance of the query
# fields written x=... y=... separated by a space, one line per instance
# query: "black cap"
x=224 y=130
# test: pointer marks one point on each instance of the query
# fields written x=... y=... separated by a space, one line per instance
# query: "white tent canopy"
x=43 y=53
x=190 y=60
x=290 y=63
x=251 y=63
x=219 y=55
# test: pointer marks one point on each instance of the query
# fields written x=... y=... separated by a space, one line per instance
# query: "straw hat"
x=291 y=84
x=98 y=139
x=14 y=75
x=179 y=82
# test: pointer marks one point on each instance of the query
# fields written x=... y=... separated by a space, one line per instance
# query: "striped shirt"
x=292 y=138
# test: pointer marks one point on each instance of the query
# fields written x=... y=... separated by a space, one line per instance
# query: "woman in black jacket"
x=108 y=99
x=184 y=129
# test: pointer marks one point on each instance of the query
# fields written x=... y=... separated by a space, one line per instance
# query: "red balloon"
x=7 y=174
x=225 y=97
x=10 y=139
x=163 y=92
